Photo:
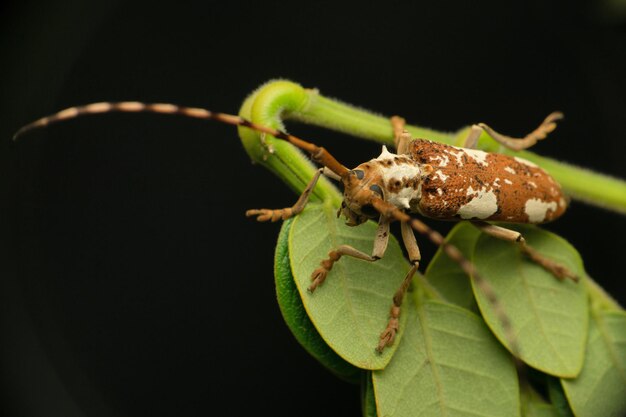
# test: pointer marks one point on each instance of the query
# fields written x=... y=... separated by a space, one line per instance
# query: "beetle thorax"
x=401 y=179
x=394 y=178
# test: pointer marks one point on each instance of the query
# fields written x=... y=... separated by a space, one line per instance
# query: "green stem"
x=266 y=106
x=335 y=115
x=277 y=99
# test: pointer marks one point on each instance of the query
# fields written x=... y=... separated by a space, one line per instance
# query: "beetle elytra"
x=423 y=177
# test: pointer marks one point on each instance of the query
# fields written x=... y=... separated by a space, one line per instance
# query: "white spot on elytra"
x=458 y=155
x=470 y=191
x=442 y=160
x=508 y=181
x=536 y=209
x=483 y=205
x=510 y=170
x=441 y=175
x=496 y=182
x=524 y=161
x=439 y=191
x=479 y=156
x=532 y=184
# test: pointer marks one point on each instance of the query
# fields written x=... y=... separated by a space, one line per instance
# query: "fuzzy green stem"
x=277 y=99
x=267 y=106
x=333 y=114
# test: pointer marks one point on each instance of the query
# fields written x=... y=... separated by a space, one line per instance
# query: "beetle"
x=442 y=182
x=423 y=177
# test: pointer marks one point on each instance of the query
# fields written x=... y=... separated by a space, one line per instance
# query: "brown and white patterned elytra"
x=472 y=184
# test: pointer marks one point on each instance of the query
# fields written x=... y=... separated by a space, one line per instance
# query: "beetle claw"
x=318 y=276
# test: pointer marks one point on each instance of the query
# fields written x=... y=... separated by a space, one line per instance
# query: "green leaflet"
x=296 y=318
x=351 y=308
x=448 y=364
x=446 y=276
x=368 y=402
x=533 y=405
x=600 y=389
x=548 y=316
x=557 y=397
x=539 y=409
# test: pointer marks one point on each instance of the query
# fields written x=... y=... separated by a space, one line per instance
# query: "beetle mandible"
x=431 y=179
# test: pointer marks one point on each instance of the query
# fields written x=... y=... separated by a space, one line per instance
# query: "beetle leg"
x=264 y=215
x=380 y=246
x=472 y=138
x=410 y=243
x=400 y=136
x=559 y=271
x=518 y=144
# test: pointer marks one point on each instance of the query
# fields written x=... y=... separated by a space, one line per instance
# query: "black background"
x=133 y=284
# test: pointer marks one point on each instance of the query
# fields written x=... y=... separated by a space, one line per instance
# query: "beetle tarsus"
x=388 y=335
x=559 y=271
x=264 y=215
x=318 y=277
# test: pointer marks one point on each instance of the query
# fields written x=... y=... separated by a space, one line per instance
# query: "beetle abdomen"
x=472 y=184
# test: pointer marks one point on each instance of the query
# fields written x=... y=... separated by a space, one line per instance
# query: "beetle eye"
x=359 y=173
x=376 y=188
x=369 y=211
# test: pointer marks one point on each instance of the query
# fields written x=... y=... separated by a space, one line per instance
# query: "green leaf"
x=351 y=308
x=557 y=397
x=548 y=316
x=448 y=364
x=533 y=405
x=446 y=276
x=296 y=318
x=600 y=389
x=368 y=402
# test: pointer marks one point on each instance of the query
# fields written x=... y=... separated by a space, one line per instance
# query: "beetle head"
x=361 y=186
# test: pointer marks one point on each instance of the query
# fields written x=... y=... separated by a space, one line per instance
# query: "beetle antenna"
x=318 y=153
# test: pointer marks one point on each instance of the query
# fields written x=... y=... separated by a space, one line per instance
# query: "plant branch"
x=280 y=99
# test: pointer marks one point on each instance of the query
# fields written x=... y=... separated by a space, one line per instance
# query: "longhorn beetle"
x=424 y=177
